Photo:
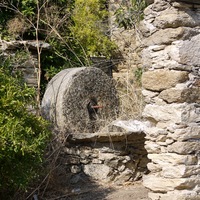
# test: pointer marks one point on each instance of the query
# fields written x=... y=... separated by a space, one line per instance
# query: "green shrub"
x=75 y=29
x=90 y=27
x=23 y=135
x=130 y=13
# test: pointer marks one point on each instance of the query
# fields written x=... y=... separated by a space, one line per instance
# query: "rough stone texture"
x=169 y=35
x=162 y=79
x=29 y=70
x=69 y=94
x=29 y=67
x=177 y=95
x=99 y=171
x=159 y=184
x=173 y=158
x=174 y=18
x=180 y=171
x=112 y=157
x=171 y=57
x=193 y=47
x=174 y=113
x=184 y=147
x=191 y=133
x=149 y=96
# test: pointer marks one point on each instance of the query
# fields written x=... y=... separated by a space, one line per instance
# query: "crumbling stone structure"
x=171 y=87
x=107 y=157
x=27 y=64
x=128 y=58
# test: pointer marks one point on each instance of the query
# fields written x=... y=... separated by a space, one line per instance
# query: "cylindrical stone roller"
x=80 y=100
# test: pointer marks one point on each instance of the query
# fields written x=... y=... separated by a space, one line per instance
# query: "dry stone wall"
x=115 y=156
x=128 y=59
x=26 y=62
x=171 y=89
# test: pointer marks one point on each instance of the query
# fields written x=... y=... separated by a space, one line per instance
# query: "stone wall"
x=171 y=88
x=112 y=157
x=128 y=77
x=24 y=54
x=128 y=58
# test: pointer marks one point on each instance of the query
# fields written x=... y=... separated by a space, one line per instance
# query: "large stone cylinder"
x=80 y=100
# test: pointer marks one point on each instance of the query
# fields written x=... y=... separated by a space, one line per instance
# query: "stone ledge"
x=117 y=131
x=105 y=137
x=32 y=44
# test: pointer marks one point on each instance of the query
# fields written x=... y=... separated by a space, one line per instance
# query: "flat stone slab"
x=32 y=44
x=119 y=130
x=105 y=136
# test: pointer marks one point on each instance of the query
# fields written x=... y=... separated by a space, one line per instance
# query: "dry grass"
x=17 y=26
x=130 y=95
x=55 y=181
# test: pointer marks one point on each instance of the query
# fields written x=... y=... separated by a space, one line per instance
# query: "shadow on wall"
x=77 y=166
x=76 y=187
x=63 y=180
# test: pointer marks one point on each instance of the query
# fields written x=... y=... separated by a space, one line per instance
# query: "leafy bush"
x=75 y=29
x=90 y=26
x=23 y=136
x=130 y=13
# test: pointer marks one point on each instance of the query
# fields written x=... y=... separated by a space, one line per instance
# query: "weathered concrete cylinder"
x=80 y=99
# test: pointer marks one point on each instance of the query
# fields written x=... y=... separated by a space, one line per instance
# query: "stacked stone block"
x=127 y=59
x=111 y=157
x=27 y=63
x=171 y=89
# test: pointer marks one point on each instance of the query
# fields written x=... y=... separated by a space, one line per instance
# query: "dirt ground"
x=134 y=191
x=84 y=188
